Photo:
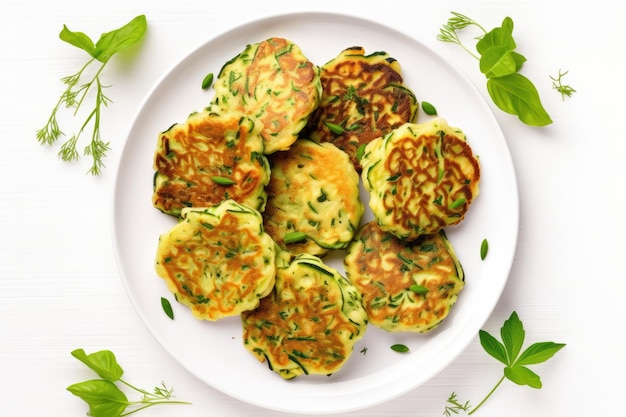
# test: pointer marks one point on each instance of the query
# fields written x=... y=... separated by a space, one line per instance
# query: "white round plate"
x=213 y=351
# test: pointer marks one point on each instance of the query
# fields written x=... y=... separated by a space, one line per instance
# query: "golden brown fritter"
x=210 y=158
x=314 y=192
x=309 y=323
x=421 y=178
x=363 y=97
x=406 y=286
x=218 y=261
x=274 y=82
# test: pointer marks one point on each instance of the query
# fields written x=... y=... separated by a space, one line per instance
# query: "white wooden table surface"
x=59 y=284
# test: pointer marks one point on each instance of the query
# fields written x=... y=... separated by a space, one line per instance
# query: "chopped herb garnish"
x=484 y=248
x=207 y=81
x=398 y=347
x=360 y=151
x=294 y=237
x=457 y=203
x=222 y=180
x=335 y=128
x=167 y=307
x=429 y=109
x=418 y=289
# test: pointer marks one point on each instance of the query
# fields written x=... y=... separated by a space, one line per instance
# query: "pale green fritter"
x=218 y=260
x=421 y=178
x=313 y=202
x=274 y=82
x=405 y=286
x=211 y=157
x=309 y=323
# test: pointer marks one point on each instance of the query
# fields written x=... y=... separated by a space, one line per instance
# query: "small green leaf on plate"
x=398 y=347
x=167 y=307
x=484 y=248
x=429 y=109
x=207 y=81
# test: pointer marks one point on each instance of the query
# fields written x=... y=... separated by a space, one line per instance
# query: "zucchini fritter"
x=313 y=191
x=274 y=82
x=364 y=95
x=210 y=158
x=309 y=323
x=406 y=286
x=218 y=260
x=421 y=178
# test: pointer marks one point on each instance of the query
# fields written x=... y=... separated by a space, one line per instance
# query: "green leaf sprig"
x=104 y=397
x=512 y=92
x=564 y=89
x=76 y=91
x=509 y=352
x=453 y=406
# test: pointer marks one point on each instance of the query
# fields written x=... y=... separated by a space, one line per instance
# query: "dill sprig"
x=564 y=89
x=455 y=406
x=458 y=21
x=76 y=92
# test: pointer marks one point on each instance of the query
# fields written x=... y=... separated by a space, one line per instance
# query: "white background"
x=59 y=284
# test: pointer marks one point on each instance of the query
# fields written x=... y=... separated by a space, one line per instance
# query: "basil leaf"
x=493 y=346
x=538 y=353
x=516 y=94
x=513 y=335
x=77 y=39
x=519 y=60
x=104 y=398
x=497 y=61
x=522 y=376
x=103 y=363
x=112 y=42
x=498 y=36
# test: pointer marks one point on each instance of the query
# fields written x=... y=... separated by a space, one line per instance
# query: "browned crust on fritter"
x=308 y=326
x=273 y=74
x=365 y=96
x=297 y=174
x=420 y=180
x=183 y=177
x=234 y=273
x=383 y=267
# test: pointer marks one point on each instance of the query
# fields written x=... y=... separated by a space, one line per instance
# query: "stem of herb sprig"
x=487 y=397
x=160 y=396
